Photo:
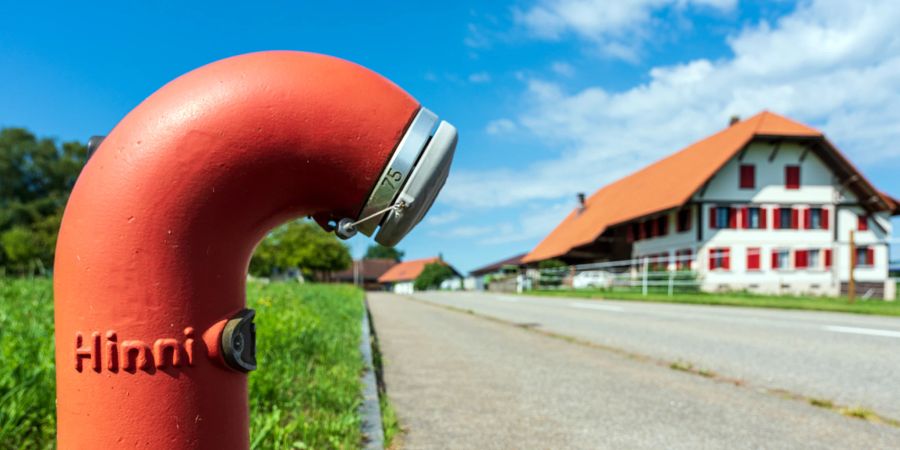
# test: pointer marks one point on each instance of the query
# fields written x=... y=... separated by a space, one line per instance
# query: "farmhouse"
x=767 y=205
x=401 y=277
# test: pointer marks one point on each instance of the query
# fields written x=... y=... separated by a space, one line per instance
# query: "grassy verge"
x=307 y=389
x=389 y=421
x=878 y=307
x=27 y=374
x=304 y=395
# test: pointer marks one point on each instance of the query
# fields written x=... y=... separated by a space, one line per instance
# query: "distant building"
x=365 y=273
x=400 y=278
x=497 y=272
x=766 y=205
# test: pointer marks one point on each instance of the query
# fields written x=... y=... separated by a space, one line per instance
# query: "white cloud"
x=442 y=218
x=480 y=77
x=500 y=126
x=617 y=27
x=534 y=223
x=832 y=64
x=465 y=231
x=563 y=68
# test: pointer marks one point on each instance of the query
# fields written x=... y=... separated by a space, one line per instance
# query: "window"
x=780 y=259
x=684 y=220
x=647 y=229
x=753 y=218
x=815 y=219
x=813 y=258
x=753 y=257
x=862 y=222
x=719 y=258
x=865 y=256
x=748 y=176
x=683 y=258
x=801 y=259
x=786 y=218
x=722 y=217
x=662 y=225
x=634 y=231
x=792 y=177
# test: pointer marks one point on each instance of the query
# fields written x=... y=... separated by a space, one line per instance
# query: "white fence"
x=669 y=274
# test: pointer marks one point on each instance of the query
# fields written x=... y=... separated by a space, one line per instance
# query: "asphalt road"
x=849 y=359
x=458 y=380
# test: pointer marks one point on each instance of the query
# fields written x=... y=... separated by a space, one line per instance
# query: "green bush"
x=432 y=276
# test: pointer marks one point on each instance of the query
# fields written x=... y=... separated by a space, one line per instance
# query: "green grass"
x=27 y=375
x=841 y=304
x=305 y=393
x=307 y=389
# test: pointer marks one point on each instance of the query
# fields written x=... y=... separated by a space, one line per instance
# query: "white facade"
x=806 y=268
x=403 y=287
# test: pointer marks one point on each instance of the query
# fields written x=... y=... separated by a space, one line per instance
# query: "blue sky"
x=551 y=97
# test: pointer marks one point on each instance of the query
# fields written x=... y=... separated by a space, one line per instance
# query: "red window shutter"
x=748 y=176
x=807 y=218
x=732 y=217
x=795 y=218
x=712 y=217
x=824 y=218
x=642 y=231
x=800 y=259
x=726 y=258
x=870 y=256
x=792 y=177
x=753 y=258
x=827 y=258
x=763 y=223
x=712 y=258
x=776 y=217
x=775 y=259
x=629 y=234
x=745 y=218
x=862 y=223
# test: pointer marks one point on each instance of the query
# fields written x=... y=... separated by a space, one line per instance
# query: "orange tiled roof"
x=406 y=271
x=665 y=184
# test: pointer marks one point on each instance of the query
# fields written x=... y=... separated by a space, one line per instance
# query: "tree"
x=432 y=276
x=300 y=244
x=379 y=251
x=36 y=177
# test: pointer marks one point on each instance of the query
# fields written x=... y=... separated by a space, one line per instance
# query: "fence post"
x=671 y=281
x=646 y=267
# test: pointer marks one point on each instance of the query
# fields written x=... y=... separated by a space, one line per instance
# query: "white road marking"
x=867 y=331
x=597 y=307
x=508 y=300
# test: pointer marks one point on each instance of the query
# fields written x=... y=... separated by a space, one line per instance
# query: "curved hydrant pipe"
x=156 y=239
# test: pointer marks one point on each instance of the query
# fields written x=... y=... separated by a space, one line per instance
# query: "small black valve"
x=239 y=341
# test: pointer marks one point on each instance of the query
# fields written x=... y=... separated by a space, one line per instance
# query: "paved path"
x=849 y=359
x=460 y=381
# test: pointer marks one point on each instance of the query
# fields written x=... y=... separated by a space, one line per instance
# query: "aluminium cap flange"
x=410 y=183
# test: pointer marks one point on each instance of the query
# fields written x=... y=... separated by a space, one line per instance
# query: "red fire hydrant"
x=152 y=339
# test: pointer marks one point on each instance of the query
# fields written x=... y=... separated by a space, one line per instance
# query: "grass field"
x=304 y=395
x=878 y=307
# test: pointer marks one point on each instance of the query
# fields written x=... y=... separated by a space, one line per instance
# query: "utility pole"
x=851 y=288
